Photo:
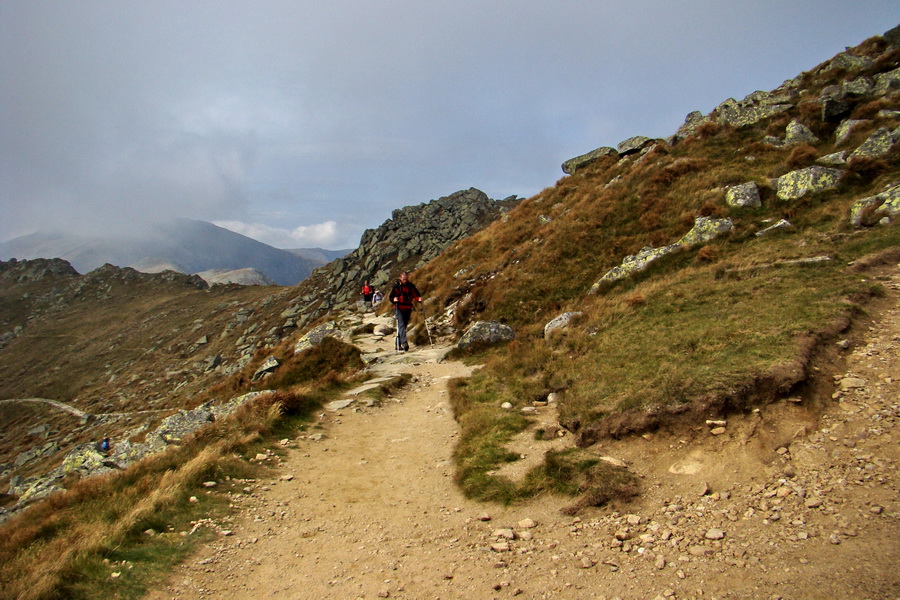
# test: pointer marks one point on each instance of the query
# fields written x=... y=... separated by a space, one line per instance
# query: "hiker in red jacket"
x=366 y=292
x=402 y=296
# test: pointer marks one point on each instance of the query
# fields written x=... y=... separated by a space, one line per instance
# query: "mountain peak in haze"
x=183 y=244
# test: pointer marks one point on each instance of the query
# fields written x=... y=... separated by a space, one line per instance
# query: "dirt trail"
x=797 y=500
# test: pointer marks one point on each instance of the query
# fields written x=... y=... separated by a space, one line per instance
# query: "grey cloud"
x=286 y=114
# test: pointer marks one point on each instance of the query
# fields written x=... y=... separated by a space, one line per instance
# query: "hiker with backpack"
x=402 y=296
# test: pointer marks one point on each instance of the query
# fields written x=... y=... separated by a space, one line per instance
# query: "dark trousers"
x=403 y=315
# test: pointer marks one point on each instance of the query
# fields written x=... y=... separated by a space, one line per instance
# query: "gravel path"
x=797 y=500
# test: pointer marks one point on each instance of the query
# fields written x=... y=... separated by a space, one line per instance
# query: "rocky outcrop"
x=410 y=238
x=579 y=162
x=485 y=333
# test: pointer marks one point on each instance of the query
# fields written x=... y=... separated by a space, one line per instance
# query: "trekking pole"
x=397 y=325
x=425 y=319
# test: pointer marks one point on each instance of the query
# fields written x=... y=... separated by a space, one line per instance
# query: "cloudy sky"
x=303 y=123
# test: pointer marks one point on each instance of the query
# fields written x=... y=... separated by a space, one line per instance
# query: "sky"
x=301 y=123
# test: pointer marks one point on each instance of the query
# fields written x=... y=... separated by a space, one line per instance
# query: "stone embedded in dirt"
x=714 y=534
x=717 y=430
x=508 y=534
x=852 y=383
x=500 y=546
x=633 y=519
x=700 y=550
x=527 y=524
x=876 y=510
x=587 y=563
x=484 y=517
x=616 y=462
x=813 y=503
x=716 y=423
x=260 y=457
x=506 y=406
x=704 y=488
x=287 y=477
x=209 y=484
x=660 y=563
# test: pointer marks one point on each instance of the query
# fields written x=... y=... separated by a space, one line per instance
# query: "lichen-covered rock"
x=886 y=82
x=691 y=123
x=858 y=88
x=836 y=159
x=315 y=336
x=871 y=210
x=563 y=321
x=573 y=164
x=485 y=333
x=810 y=180
x=85 y=459
x=747 y=111
x=845 y=129
x=745 y=194
x=835 y=109
x=704 y=230
x=633 y=144
x=798 y=133
x=634 y=263
x=849 y=62
x=878 y=144
x=782 y=225
x=269 y=365
x=175 y=428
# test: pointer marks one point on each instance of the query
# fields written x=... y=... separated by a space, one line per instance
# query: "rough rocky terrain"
x=796 y=500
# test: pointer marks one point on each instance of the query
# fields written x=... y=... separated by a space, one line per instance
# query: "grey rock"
x=845 y=129
x=835 y=159
x=487 y=333
x=563 y=321
x=268 y=366
x=886 y=82
x=633 y=144
x=798 y=133
x=810 y=180
x=871 y=210
x=878 y=144
x=781 y=225
x=745 y=194
x=579 y=162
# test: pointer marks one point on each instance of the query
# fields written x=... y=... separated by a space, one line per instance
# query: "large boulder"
x=573 y=164
x=486 y=333
x=810 y=180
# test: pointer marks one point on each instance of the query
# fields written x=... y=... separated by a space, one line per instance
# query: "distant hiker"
x=376 y=298
x=104 y=445
x=402 y=296
x=367 y=291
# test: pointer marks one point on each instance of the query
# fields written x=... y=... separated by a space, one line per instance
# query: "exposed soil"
x=796 y=500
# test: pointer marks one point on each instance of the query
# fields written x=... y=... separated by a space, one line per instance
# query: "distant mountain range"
x=181 y=245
